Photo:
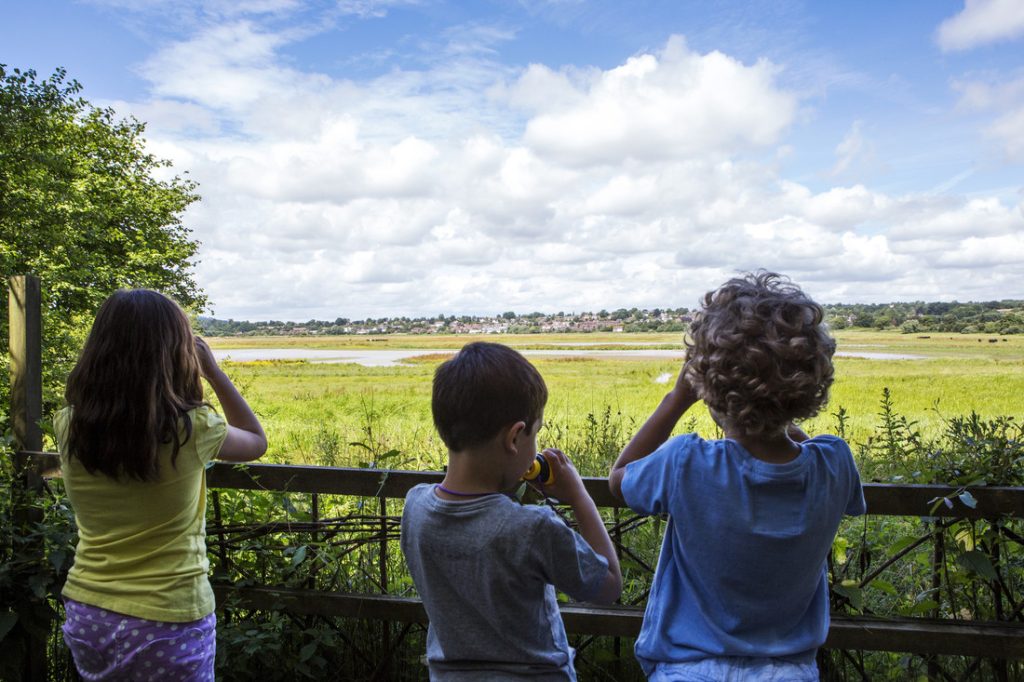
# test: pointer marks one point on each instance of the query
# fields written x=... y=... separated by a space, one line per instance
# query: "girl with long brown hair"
x=134 y=441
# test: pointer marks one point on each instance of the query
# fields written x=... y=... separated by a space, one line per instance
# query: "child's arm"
x=568 y=487
x=655 y=430
x=245 y=440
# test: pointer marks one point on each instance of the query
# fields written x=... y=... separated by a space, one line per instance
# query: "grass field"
x=351 y=415
x=346 y=414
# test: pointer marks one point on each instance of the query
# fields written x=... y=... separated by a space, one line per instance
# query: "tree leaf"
x=883 y=586
x=850 y=590
x=977 y=562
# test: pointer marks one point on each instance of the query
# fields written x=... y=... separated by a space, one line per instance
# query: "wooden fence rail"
x=989 y=639
x=883 y=499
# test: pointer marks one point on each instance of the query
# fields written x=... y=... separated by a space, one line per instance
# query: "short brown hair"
x=484 y=388
x=759 y=353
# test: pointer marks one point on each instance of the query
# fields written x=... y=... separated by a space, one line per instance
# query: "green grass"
x=345 y=414
x=348 y=415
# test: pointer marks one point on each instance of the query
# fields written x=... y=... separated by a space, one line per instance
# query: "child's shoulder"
x=830 y=450
x=828 y=441
x=415 y=494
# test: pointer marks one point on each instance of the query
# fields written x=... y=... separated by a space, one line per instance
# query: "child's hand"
x=683 y=392
x=207 y=363
x=567 y=486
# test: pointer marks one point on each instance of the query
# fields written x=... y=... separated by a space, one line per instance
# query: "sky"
x=380 y=158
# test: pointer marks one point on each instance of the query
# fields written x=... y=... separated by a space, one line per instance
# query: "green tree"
x=82 y=207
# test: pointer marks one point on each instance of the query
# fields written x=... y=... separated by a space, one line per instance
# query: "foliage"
x=988 y=317
x=82 y=207
x=37 y=536
x=633 y=320
x=961 y=569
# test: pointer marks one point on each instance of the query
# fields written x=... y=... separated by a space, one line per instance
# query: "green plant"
x=37 y=539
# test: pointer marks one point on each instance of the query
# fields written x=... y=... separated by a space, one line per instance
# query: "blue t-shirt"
x=742 y=570
x=487 y=570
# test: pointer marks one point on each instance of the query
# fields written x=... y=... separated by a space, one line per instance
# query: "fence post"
x=26 y=361
x=26 y=374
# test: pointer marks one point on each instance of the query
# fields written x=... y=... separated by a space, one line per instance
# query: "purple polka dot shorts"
x=113 y=646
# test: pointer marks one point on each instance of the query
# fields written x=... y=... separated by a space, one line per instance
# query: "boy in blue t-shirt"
x=741 y=587
x=486 y=566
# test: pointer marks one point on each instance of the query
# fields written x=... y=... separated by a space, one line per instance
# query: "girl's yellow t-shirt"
x=142 y=545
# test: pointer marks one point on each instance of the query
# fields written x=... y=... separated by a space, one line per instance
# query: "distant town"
x=991 y=317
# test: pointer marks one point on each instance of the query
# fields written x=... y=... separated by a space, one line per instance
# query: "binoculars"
x=540 y=471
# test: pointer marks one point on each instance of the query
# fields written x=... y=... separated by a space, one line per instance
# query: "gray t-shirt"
x=487 y=570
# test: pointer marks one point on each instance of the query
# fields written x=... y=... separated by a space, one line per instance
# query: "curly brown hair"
x=759 y=353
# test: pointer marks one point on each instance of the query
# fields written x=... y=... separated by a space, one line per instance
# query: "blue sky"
x=404 y=157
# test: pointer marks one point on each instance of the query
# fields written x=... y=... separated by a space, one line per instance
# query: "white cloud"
x=1006 y=100
x=981 y=22
x=852 y=147
x=1009 y=129
x=983 y=96
x=844 y=208
x=371 y=8
x=955 y=219
x=226 y=68
x=986 y=252
x=674 y=104
x=469 y=187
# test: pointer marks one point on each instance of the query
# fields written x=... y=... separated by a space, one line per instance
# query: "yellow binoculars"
x=540 y=471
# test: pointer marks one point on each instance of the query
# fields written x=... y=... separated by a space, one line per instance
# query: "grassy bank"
x=346 y=414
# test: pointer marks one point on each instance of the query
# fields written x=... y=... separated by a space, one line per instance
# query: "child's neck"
x=471 y=474
x=774 y=448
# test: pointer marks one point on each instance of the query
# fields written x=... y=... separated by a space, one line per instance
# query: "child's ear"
x=513 y=433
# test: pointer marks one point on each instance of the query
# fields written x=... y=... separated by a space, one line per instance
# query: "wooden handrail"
x=883 y=499
x=919 y=635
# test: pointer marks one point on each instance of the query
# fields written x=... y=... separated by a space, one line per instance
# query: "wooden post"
x=26 y=373
x=26 y=361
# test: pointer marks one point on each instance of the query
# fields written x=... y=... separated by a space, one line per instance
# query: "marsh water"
x=391 y=358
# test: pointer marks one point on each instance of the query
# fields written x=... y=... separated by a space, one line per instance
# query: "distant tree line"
x=991 y=317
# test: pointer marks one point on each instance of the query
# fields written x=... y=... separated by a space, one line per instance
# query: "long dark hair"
x=134 y=383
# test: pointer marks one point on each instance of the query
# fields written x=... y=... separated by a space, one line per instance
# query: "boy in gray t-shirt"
x=485 y=566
